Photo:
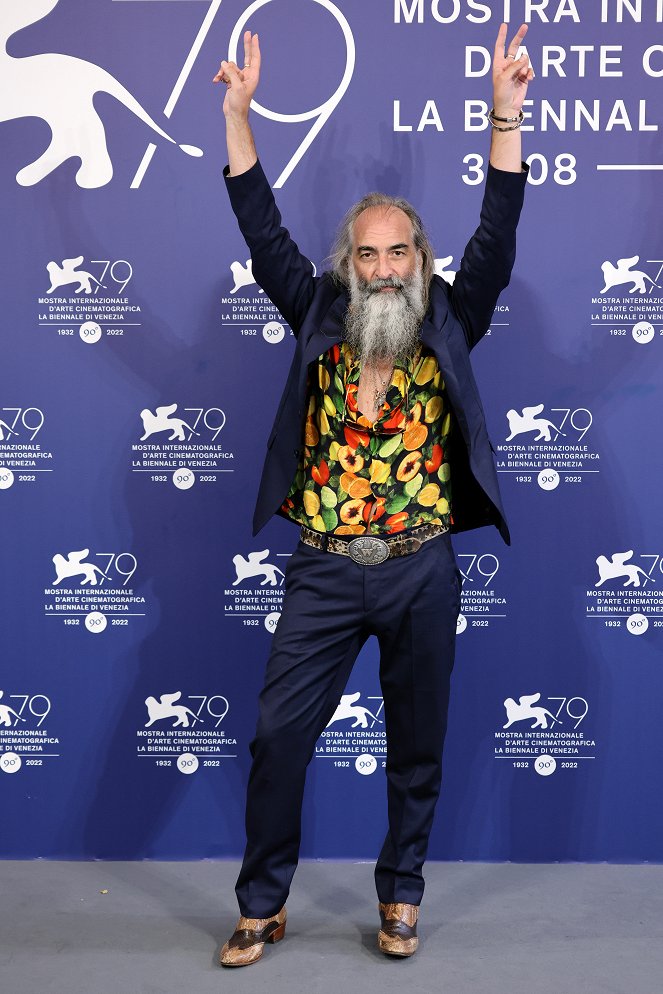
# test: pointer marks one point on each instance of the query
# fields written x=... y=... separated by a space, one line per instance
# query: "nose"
x=383 y=267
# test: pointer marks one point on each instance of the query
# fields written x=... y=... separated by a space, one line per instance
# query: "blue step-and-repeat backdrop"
x=141 y=366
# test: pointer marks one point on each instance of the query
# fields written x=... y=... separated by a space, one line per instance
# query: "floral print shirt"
x=360 y=477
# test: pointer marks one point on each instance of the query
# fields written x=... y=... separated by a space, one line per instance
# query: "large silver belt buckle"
x=368 y=550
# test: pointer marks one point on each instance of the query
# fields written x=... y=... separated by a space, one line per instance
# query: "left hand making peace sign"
x=510 y=75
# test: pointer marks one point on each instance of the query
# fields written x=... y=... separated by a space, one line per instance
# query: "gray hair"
x=342 y=248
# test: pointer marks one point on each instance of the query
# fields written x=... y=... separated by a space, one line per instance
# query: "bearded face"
x=387 y=295
x=385 y=315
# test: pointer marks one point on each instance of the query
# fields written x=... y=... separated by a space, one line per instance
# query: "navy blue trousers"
x=331 y=606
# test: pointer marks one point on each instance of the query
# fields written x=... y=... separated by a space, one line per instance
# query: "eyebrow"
x=371 y=248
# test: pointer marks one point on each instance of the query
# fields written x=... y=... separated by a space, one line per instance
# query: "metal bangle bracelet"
x=504 y=120
x=513 y=127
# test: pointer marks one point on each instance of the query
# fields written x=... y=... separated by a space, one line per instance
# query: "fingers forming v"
x=517 y=41
x=501 y=51
x=500 y=42
x=255 y=52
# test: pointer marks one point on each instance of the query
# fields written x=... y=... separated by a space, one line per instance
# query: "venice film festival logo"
x=626 y=591
x=482 y=603
x=180 y=740
x=548 y=736
x=183 y=448
x=631 y=299
x=360 y=736
x=25 y=741
x=94 y=589
x=73 y=303
x=256 y=593
x=548 y=447
x=67 y=104
x=251 y=315
x=22 y=457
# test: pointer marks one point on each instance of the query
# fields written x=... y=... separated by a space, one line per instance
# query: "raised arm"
x=510 y=79
x=241 y=85
x=485 y=268
x=278 y=266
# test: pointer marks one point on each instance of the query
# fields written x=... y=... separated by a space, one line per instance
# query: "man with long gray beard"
x=378 y=452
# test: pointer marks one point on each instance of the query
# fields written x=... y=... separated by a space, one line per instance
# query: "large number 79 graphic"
x=319 y=115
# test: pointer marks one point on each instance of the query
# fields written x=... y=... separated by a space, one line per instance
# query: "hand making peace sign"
x=241 y=83
x=510 y=75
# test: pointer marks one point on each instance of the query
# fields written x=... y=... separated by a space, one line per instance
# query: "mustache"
x=379 y=283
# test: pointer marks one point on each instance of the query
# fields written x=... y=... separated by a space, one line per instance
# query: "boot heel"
x=277 y=934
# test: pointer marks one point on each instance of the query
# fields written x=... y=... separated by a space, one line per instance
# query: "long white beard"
x=385 y=327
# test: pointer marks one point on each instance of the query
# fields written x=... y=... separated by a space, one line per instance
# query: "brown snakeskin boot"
x=247 y=942
x=398 y=929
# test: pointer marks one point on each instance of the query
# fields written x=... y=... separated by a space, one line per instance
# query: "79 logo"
x=111 y=275
x=215 y=707
x=478 y=569
x=165 y=419
x=26 y=708
x=577 y=423
x=570 y=423
x=118 y=273
x=169 y=706
x=528 y=710
x=317 y=115
x=117 y=567
x=15 y=421
x=213 y=419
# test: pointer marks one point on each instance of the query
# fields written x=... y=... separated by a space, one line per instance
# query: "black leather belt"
x=371 y=550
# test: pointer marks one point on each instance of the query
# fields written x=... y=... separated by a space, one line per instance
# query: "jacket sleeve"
x=278 y=266
x=485 y=269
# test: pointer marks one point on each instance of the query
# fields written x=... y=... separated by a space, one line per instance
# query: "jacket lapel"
x=329 y=333
x=439 y=345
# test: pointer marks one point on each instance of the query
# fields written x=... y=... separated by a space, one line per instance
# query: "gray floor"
x=153 y=928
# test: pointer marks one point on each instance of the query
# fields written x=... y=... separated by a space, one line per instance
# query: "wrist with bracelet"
x=513 y=122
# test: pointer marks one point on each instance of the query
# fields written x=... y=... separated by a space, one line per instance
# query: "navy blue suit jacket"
x=457 y=318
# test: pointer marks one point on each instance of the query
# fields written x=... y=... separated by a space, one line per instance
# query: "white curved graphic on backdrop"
x=326 y=109
x=60 y=90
